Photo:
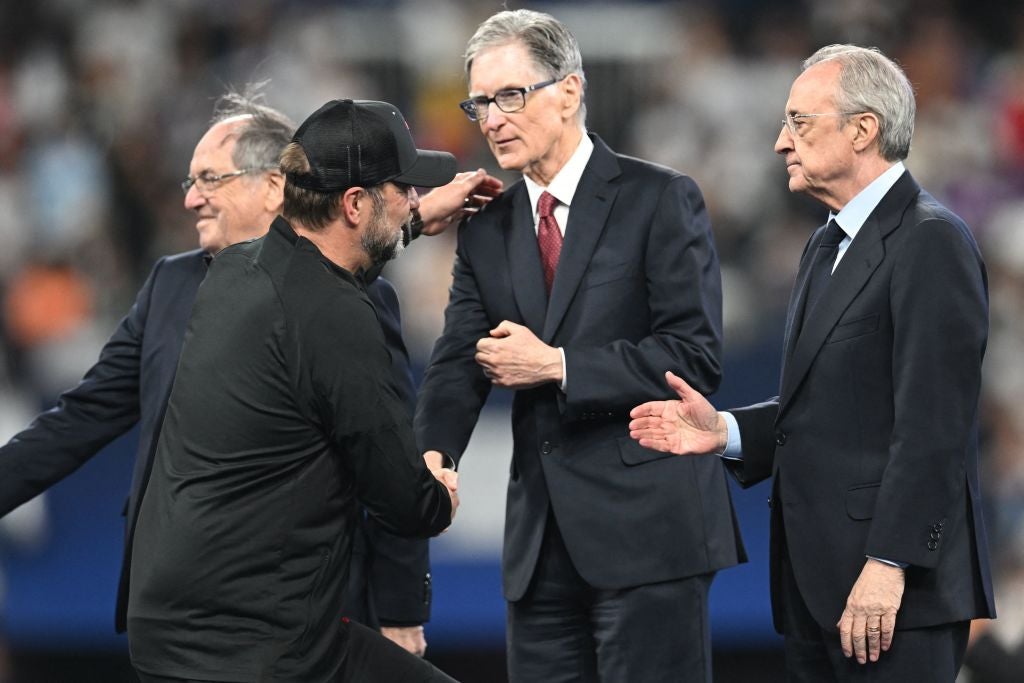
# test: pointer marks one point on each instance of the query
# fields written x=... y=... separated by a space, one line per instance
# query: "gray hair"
x=259 y=143
x=551 y=46
x=870 y=81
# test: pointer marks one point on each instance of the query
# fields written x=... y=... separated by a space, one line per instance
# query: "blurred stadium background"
x=102 y=101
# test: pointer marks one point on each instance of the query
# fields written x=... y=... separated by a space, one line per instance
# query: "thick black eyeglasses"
x=509 y=100
x=208 y=182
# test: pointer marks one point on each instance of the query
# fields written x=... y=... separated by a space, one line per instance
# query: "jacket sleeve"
x=103 y=406
x=454 y=387
x=939 y=304
x=369 y=427
x=399 y=568
x=684 y=298
x=399 y=577
x=757 y=439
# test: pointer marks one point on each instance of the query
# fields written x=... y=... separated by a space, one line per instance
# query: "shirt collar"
x=563 y=185
x=852 y=216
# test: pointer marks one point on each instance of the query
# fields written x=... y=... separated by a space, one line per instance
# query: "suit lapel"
x=588 y=215
x=525 y=269
x=860 y=261
x=850 y=276
x=794 y=316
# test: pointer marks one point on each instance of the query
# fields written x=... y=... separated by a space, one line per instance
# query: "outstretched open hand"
x=689 y=426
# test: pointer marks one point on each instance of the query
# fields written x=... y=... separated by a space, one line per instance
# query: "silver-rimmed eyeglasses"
x=794 y=122
x=208 y=182
x=509 y=100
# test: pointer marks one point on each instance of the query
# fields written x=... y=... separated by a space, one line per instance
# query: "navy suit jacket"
x=637 y=292
x=132 y=382
x=872 y=441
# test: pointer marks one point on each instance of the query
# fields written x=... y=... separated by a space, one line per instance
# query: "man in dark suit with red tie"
x=878 y=552
x=576 y=289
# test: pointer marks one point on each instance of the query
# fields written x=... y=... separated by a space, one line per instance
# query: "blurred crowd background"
x=102 y=102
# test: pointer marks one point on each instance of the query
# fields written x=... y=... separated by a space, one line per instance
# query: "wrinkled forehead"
x=813 y=91
x=506 y=65
x=214 y=149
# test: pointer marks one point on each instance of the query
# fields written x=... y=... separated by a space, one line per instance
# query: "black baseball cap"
x=362 y=143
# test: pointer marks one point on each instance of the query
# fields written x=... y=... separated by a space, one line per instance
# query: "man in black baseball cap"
x=366 y=143
x=283 y=414
x=349 y=150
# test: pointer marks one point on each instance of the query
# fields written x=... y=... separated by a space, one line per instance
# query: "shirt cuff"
x=891 y=563
x=734 y=446
x=565 y=376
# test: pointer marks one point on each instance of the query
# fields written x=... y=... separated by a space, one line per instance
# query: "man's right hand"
x=465 y=195
x=445 y=475
x=689 y=426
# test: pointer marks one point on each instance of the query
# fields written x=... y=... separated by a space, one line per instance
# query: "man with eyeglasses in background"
x=236 y=190
x=610 y=548
x=878 y=552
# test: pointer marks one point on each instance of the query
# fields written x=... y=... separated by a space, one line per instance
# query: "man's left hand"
x=514 y=358
x=463 y=196
x=410 y=638
x=868 y=624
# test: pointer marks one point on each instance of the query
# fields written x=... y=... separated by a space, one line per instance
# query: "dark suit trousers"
x=370 y=658
x=563 y=629
x=814 y=655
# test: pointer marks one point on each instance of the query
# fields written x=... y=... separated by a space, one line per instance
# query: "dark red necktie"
x=549 y=238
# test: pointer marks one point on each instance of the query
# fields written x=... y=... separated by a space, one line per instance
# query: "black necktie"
x=821 y=269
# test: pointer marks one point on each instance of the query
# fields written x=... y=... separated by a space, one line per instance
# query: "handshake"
x=445 y=475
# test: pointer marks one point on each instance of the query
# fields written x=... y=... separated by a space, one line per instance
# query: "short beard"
x=380 y=243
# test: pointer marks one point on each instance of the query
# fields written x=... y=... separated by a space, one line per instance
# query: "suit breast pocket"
x=850 y=329
x=603 y=275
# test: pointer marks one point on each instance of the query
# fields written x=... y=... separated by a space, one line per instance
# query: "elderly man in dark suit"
x=610 y=548
x=235 y=190
x=879 y=557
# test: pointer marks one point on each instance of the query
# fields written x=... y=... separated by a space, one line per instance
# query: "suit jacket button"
x=932 y=545
x=936 y=527
x=545 y=448
x=935 y=535
x=780 y=438
x=770 y=502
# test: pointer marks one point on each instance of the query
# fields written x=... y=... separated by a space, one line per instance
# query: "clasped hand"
x=445 y=475
x=514 y=358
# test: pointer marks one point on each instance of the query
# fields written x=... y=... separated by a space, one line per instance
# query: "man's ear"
x=865 y=130
x=355 y=202
x=274 y=196
x=572 y=94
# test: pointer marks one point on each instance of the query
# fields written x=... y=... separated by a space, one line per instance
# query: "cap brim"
x=432 y=169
